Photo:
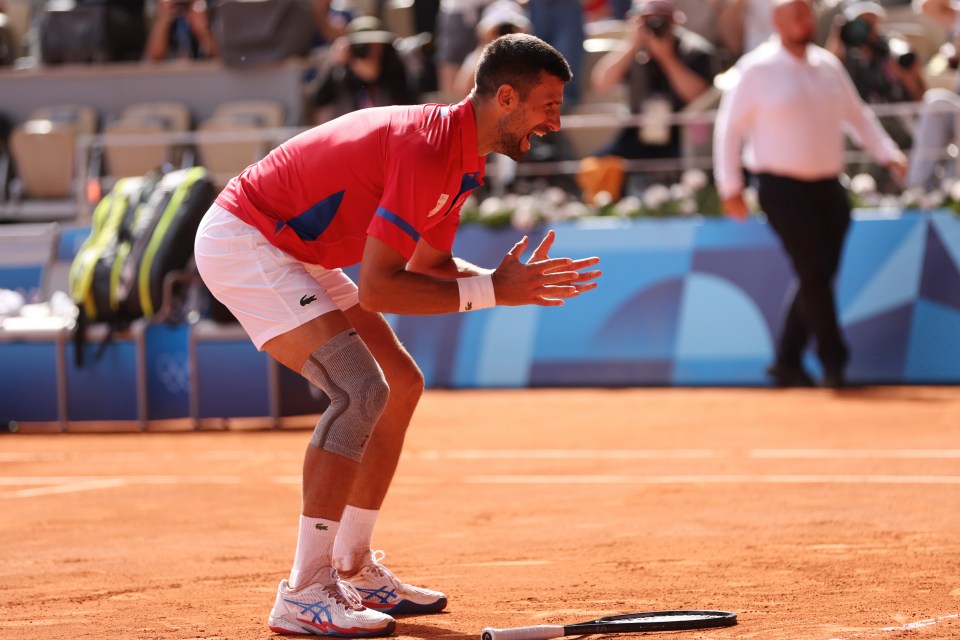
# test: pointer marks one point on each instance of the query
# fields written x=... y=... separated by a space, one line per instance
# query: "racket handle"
x=538 y=632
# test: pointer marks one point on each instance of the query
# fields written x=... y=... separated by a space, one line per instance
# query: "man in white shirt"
x=791 y=105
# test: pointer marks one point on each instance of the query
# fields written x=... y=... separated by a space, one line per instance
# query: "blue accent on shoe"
x=405 y=607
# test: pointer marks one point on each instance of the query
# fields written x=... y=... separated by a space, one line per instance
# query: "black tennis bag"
x=142 y=231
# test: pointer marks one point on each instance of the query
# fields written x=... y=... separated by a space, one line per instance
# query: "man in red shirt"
x=383 y=188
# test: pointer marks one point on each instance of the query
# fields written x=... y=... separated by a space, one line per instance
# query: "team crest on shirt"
x=442 y=201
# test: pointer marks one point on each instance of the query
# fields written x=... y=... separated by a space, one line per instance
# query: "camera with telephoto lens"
x=899 y=49
x=855 y=33
x=658 y=26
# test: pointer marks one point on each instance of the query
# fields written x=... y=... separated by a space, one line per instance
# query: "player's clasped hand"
x=541 y=280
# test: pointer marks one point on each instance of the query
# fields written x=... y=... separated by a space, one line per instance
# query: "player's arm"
x=431 y=261
x=388 y=286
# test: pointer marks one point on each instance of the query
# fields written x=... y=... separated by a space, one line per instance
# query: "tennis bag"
x=142 y=230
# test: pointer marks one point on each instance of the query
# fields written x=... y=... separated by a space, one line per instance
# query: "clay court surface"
x=813 y=515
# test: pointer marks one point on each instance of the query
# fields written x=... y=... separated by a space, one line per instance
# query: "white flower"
x=910 y=198
x=955 y=191
x=570 y=211
x=491 y=207
x=524 y=218
x=694 y=179
x=602 y=199
x=863 y=183
x=688 y=206
x=679 y=191
x=655 y=196
x=627 y=206
x=931 y=200
x=554 y=196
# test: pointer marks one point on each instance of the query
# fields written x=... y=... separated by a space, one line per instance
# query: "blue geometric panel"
x=721 y=234
x=501 y=354
x=896 y=283
x=608 y=373
x=718 y=320
x=941 y=276
x=763 y=273
x=869 y=244
x=948 y=226
x=879 y=345
x=934 y=344
x=645 y=327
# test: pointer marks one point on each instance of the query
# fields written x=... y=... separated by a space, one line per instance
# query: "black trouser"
x=811 y=219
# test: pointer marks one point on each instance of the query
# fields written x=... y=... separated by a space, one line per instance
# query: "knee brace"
x=346 y=370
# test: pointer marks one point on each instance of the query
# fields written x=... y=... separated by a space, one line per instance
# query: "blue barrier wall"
x=681 y=302
x=699 y=302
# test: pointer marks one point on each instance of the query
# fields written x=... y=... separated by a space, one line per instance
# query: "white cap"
x=503 y=12
x=855 y=10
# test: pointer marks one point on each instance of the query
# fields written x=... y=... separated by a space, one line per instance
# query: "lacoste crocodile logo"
x=469 y=306
x=304 y=301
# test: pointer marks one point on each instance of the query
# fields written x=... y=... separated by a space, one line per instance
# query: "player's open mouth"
x=526 y=145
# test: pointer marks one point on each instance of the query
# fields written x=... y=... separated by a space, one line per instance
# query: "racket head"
x=677 y=620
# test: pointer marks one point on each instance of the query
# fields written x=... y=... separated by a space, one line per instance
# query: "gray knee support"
x=346 y=370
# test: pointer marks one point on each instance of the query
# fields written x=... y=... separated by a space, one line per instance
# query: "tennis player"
x=381 y=187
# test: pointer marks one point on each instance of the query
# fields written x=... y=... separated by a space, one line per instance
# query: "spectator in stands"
x=362 y=70
x=745 y=24
x=456 y=37
x=331 y=18
x=181 y=31
x=883 y=67
x=665 y=68
x=936 y=127
x=560 y=23
x=8 y=49
x=499 y=19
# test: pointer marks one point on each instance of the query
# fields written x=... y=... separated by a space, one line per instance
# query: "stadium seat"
x=226 y=156
x=138 y=141
x=44 y=150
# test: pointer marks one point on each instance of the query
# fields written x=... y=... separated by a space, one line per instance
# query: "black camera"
x=855 y=33
x=658 y=26
x=359 y=50
x=505 y=29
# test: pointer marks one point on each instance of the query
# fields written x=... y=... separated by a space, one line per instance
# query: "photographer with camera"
x=181 y=31
x=362 y=69
x=883 y=67
x=665 y=67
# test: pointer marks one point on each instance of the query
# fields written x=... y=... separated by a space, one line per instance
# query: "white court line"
x=68 y=484
x=859 y=454
x=73 y=487
x=919 y=624
x=690 y=454
x=566 y=454
x=512 y=454
x=709 y=479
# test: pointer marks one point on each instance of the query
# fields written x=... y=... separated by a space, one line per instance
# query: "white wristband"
x=476 y=292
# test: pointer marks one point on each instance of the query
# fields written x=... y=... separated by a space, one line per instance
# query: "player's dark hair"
x=517 y=59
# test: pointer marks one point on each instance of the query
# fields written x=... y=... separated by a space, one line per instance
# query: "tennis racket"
x=627 y=623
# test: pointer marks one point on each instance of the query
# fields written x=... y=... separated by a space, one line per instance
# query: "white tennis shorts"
x=269 y=291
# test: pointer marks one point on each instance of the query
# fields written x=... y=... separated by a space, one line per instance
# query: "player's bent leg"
x=328 y=607
x=382 y=591
x=406 y=387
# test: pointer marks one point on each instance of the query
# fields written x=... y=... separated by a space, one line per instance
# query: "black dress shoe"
x=833 y=380
x=789 y=376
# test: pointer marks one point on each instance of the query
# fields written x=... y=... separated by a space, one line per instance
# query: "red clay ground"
x=813 y=515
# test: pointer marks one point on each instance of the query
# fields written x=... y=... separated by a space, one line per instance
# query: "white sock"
x=354 y=538
x=314 y=550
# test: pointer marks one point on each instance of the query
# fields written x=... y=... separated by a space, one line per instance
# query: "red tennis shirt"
x=397 y=173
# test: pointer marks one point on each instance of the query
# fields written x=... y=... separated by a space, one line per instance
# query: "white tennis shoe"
x=381 y=590
x=329 y=607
